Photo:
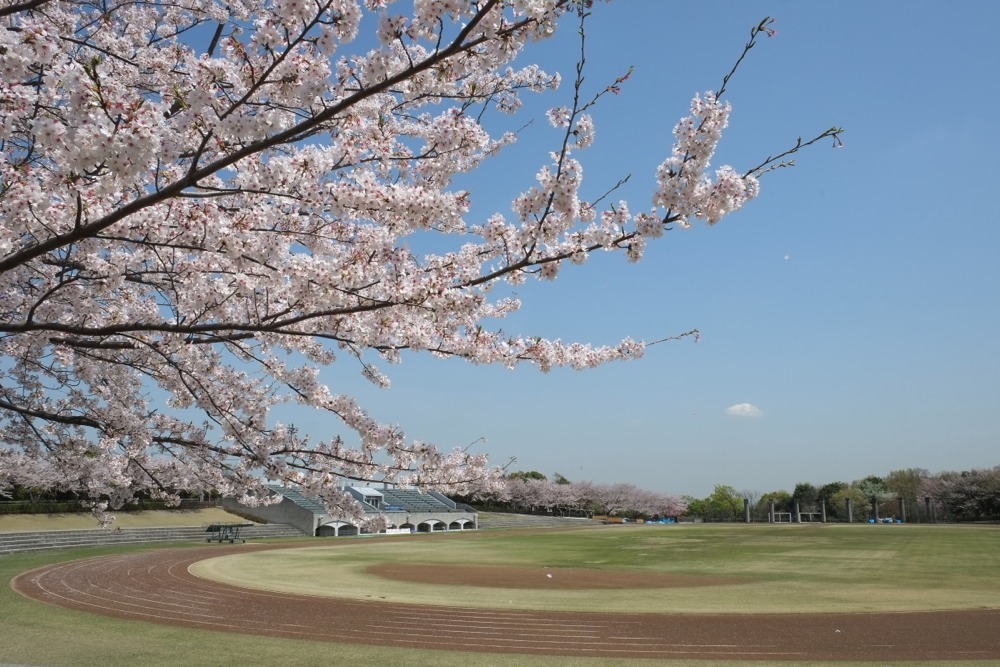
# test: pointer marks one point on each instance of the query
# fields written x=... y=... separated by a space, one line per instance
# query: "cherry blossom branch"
x=296 y=133
x=777 y=161
x=189 y=237
x=20 y=7
x=762 y=27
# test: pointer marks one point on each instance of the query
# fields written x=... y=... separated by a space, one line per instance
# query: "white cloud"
x=744 y=410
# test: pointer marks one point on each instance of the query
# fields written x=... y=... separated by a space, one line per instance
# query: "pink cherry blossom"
x=203 y=203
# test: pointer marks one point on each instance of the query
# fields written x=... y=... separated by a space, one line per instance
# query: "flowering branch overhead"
x=204 y=203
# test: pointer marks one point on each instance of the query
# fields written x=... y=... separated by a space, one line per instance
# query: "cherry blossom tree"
x=968 y=495
x=204 y=202
x=585 y=497
x=526 y=494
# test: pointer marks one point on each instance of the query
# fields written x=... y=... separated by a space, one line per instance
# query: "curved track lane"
x=157 y=587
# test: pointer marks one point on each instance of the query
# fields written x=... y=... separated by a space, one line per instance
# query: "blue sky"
x=854 y=303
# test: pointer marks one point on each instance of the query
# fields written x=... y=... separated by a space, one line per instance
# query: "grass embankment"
x=930 y=562
x=26 y=523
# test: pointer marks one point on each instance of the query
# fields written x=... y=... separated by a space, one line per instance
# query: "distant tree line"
x=913 y=494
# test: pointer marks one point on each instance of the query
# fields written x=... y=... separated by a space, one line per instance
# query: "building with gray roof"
x=404 y=510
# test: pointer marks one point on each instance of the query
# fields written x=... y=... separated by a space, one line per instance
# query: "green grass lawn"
x=918 y=566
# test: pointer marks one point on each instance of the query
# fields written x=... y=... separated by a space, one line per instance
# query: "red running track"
x=157 y=587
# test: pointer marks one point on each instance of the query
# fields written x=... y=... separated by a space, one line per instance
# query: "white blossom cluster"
x=684 y=189
x=203 y=202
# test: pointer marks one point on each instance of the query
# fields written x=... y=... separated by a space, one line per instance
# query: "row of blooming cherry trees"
x=205 y=202
x=560 y=496
x=968 y=495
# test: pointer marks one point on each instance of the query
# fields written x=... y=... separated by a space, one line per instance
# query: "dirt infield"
x=559 y=578
x=157 y=587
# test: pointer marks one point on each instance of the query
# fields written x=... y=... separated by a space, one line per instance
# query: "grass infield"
x=831 y=567
x=756 y=568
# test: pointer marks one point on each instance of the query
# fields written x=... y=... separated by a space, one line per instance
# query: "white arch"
x=336 y=529
x=430 y=525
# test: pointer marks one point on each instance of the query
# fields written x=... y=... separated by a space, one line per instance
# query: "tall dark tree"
x=807 y=496
x=827 y=494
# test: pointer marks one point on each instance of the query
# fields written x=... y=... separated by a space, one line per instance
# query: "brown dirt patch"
x=562 y=578
x=157 y=587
